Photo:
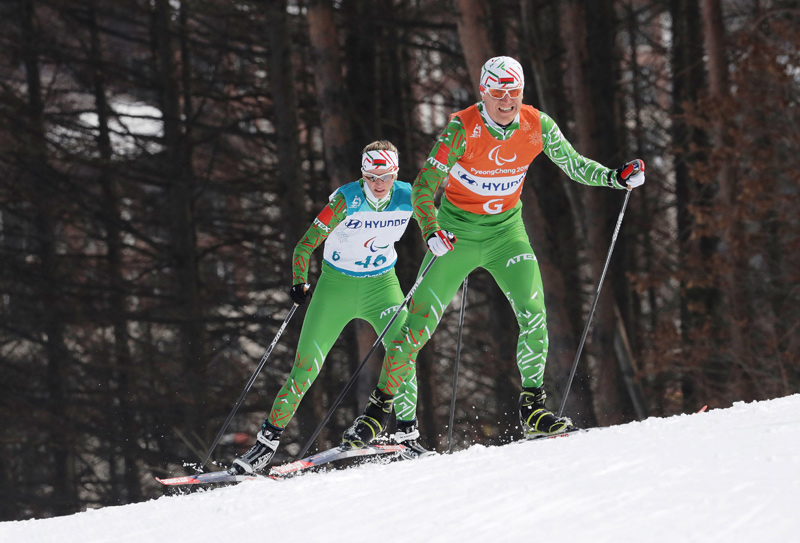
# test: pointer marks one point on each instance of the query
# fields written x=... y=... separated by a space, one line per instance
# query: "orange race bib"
x=488 y=179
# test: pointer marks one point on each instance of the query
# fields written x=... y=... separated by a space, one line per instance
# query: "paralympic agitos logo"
x=370 y=244
x=494 y=155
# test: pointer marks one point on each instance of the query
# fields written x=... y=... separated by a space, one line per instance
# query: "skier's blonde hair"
x=380 y=145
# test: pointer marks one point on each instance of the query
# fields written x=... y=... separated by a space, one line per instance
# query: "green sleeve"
x=328 y=219
x=576 y=166
x=450 y=147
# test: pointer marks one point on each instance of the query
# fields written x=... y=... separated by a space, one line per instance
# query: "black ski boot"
x=372 y=423
x=536 y=420
x=407 y=435
x=258 y=457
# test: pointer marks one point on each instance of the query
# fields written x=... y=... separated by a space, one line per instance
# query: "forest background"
x=160 y=159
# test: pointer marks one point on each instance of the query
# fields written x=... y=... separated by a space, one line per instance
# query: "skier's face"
x=380 y=181
x=502 y=110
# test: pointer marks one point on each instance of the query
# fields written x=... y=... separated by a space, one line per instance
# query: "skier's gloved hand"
x=631 y=174
x=300 y=292
x=440 y=242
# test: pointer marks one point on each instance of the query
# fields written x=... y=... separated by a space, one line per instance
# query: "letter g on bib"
x=493 y=207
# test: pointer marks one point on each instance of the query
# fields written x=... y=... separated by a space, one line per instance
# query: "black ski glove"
x=300 y=292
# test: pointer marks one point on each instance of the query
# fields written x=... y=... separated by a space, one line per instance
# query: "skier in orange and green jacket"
x=483 y=155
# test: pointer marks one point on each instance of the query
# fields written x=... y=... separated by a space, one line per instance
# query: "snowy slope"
x=726 y=475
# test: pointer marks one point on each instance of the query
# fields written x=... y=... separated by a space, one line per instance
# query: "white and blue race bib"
x=362 y=245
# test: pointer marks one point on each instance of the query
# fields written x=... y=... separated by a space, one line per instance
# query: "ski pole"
x=364 y=362
x=458 y=360
x=594 y=304
x=247 y=387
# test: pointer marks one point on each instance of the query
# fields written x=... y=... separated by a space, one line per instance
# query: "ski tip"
x=703 y=408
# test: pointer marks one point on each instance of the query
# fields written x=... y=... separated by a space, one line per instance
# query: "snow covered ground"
x=726 y=475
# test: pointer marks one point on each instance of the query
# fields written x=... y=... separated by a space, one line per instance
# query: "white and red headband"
x=372 y=161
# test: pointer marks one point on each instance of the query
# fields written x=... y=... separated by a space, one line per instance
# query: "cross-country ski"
x=290 y=469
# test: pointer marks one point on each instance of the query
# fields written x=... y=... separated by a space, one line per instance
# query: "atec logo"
x=390 y=311
x=493 y=207
x=494 y=155
x=436 y=164
x=520 y=258
x=322 y=225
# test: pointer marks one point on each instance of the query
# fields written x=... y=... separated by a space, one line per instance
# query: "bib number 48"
x=367 y=262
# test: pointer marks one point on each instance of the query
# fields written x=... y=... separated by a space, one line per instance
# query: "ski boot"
x=535 y=418
x=258 y=457
x=407 y=435
x=372 y=423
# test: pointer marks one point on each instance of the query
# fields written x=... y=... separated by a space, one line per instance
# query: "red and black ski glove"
x=631 y=175
x=440 y=242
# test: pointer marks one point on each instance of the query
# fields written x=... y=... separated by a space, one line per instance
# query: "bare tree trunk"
x=700 y=301
x=330 y=91
x=609 y=404
x=282 y=83
x=645 y=205
x=603 y=80
x=60 y=443
x=122 y=427
x=473 y=15
x=180 y=199
x=544 y=212
x=731 y=236
x=535 y=49
x=361 y=75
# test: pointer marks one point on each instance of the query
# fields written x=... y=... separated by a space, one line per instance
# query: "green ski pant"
x=499 y=244
x=338 y=299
